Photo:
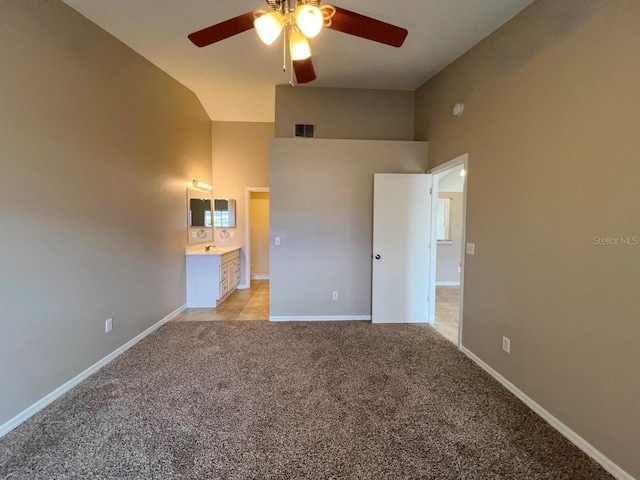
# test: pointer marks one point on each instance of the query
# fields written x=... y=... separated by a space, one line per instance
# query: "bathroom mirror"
x=199 y=216
x=224 y=214
x=443 y=220
x=200 y=212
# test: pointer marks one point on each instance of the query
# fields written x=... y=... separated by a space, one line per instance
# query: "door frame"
x=460 y=160
x=247 y=232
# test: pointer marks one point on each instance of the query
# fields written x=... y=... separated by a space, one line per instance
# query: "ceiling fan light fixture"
x=299 y=46
x=309 y=20
x=269 y=26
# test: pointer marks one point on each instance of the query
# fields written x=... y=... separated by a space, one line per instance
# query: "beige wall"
x=240 y=160
x=552 y=109
x=346 y=113
x=104 y=143
x=449 y=255
x=322 y=208
x=259 y=233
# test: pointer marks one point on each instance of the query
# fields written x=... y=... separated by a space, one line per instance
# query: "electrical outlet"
x=506 y=344
x=193 y=234
x=471 y=248
x=108 y=325
x=335 y=294
x=277 y=240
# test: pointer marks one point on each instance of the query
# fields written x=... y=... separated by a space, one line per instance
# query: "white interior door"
x=402 y=236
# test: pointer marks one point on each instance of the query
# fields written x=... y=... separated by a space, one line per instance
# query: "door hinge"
x=431 y=191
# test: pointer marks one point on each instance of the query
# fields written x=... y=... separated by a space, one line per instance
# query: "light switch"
x=193 y=234
x=277 y=240
x=471 y=248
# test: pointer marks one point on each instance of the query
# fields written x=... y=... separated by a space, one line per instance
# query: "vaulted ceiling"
x=235 y=79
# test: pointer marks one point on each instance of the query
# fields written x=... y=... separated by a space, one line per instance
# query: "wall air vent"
x=304 y=131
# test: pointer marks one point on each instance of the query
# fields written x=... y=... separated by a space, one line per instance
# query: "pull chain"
x=287 y=33
x=291 y=73
x=284 y=49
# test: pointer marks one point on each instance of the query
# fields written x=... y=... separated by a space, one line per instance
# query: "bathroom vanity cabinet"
x=212 y=275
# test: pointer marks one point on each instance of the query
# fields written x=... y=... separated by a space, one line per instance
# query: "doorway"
x=259 y=236
x=257 y=247
x=450 y=213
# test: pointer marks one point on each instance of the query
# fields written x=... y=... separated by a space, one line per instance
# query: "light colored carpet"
x=239 y=400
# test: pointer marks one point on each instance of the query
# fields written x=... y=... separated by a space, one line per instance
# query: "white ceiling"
x=235 y=79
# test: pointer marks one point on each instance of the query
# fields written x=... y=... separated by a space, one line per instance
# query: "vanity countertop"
x=201 y=250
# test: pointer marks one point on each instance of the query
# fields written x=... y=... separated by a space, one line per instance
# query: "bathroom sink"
x=211 y=251
x=218 y=251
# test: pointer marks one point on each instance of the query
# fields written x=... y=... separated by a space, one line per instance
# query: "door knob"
x=377 y=257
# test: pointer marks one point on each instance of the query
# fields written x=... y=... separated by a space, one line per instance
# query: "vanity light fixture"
x=202 y=185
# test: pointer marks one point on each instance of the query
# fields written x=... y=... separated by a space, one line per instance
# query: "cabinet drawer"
x=229 y=257
x=224 y=272
x=224 y=288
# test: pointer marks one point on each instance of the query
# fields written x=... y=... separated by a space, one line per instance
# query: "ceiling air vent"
x=304 y=131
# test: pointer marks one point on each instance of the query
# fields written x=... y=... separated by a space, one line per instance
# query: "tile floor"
x=249 y=304
x=253 y=304
x=447 y=312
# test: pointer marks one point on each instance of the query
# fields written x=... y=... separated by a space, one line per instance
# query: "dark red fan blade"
x=366 y=27
x=304 y=70
x=223 y=30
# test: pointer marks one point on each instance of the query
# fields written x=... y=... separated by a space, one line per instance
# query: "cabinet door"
x=234 y=272
x=237 y=272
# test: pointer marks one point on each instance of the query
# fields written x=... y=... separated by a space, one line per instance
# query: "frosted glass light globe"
x=299 y=46
x=309 y=20
x=269 y=26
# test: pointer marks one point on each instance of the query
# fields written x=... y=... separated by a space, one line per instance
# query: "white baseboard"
x=259 y=276
x=572 y=436
x=242 y=286
x=447 y=284
x=58 y=392
x=320 y=318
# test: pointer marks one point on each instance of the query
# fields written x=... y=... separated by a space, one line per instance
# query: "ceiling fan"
x=300 y=20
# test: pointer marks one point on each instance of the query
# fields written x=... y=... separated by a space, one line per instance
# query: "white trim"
x=447 y=284
x=320 y=318
x=259 y=276
x=433 y=249
x=450 y=164
x=61 y=390
x=464 y=160
x=569 y=434
x=247 y=233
